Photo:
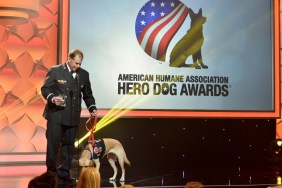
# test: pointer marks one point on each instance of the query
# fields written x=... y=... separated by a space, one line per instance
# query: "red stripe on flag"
x=169 y=35
x=141 y=36
x=153 y=35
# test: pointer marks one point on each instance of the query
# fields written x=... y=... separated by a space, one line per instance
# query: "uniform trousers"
x=60 y=136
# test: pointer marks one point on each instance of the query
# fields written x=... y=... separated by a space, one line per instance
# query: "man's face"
x=75 y=63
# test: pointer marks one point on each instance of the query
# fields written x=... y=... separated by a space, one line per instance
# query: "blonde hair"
x=89 y=178
x=194 y=184
x=127 y=186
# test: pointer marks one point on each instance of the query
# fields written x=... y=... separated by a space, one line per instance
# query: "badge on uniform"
x=61 y=81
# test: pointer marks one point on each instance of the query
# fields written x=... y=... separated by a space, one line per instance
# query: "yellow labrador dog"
x=106 y=146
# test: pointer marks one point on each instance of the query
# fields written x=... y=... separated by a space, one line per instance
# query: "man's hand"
x=58 y=100
x=94 y=113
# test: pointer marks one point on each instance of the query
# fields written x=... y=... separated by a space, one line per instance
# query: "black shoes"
x=67 y=182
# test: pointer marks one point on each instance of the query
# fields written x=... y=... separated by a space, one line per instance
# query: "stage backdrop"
x=179 y=55
x=31 y=45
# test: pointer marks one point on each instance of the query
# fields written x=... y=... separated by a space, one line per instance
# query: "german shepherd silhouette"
x=190 y=44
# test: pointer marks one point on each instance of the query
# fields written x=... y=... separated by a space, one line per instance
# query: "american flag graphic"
x=156 y=24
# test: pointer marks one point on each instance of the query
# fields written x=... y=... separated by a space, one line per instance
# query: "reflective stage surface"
x=171 y=152
x=162 y=176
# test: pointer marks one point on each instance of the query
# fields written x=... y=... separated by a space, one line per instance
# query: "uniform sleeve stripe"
x=91 y=106
x=49 y=95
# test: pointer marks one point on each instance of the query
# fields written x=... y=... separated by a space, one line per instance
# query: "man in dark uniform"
x=64 y=87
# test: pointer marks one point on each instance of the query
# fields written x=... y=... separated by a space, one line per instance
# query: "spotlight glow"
x=279 y=142
x=113 y=115
x=278 y=180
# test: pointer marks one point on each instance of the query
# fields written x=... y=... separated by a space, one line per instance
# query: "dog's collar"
x=90 y=142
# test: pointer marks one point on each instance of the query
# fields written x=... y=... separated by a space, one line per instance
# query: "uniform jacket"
x=60 y=81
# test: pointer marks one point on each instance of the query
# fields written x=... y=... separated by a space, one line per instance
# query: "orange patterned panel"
x=8 y=140
x=30 y=5
x=28 y=48
x=3 y=120
x=9 y=76
x=279 y=121
x=15 y=12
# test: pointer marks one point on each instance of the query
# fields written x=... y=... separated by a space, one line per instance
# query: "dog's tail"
x=126 y=160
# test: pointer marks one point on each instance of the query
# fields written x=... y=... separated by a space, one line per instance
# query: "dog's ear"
x=191 y=13
x=200 y=12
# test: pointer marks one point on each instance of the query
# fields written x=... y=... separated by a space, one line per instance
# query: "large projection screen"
x=201 y=58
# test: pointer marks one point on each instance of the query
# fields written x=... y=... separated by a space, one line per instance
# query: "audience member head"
x=89 y=178
x=126 y=186
x=194 y=184
x=45 y=180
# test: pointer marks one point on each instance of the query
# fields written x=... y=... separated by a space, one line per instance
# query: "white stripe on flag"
x=163 y=31
x=154 y=26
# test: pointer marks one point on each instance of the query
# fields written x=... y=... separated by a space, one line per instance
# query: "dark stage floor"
x=163 y=176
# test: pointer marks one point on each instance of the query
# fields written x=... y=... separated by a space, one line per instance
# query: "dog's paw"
x=197 y=67
x=122 y=180
x=112 y=179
